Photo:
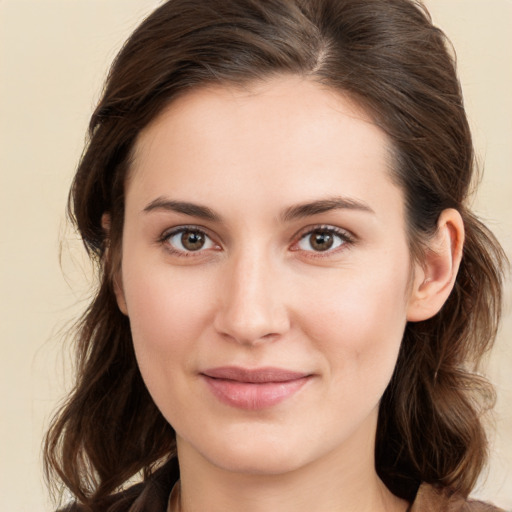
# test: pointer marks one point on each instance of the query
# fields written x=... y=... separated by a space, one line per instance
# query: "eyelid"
x=168 y=233
x=347 y=236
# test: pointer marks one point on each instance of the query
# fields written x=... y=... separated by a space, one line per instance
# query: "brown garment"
x=153 y=496
x=432 y=499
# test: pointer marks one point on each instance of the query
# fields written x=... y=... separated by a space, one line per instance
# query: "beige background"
x=53 y=57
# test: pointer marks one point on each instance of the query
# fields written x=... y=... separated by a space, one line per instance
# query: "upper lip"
x=254 y=375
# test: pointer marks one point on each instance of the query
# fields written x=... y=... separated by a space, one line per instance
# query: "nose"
x=252 y=308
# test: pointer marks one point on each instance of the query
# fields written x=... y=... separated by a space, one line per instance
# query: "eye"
x=323 y=240
x=188 y=240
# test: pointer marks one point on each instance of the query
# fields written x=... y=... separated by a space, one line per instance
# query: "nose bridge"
x=252 y=307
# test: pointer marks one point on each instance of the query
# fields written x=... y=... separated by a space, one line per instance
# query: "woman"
x=294 y=295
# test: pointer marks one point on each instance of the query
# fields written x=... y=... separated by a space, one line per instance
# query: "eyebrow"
x=294 y=212
x=192 y=209
x=302 y=210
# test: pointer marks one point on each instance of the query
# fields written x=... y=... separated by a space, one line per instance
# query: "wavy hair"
x=389 y=58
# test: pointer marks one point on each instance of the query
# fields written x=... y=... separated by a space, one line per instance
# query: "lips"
x=253 y=389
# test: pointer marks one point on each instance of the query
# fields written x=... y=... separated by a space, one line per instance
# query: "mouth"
x=253 y=389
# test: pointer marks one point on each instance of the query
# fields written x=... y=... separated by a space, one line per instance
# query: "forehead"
x=290 y=106
x=288 y=137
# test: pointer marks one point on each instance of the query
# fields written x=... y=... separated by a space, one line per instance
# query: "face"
x=265 y=273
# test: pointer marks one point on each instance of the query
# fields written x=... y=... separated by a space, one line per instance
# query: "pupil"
x=192 y=241
x=321 y=241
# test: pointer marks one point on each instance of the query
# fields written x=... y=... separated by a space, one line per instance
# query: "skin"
x=258 y=293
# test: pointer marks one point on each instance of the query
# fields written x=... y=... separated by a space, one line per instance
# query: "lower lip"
x=253 y=396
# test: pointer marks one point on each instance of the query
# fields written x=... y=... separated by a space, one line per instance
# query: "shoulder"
x=431 y=498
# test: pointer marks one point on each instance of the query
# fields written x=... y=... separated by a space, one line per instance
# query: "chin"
x=252 y=456
x=260 y=462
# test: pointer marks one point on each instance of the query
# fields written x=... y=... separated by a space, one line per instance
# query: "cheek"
x=359 y=323
x=168 y=312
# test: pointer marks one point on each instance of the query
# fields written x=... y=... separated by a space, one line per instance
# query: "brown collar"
x=436 y=499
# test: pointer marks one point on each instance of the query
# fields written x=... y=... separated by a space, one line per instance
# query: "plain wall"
x=53 y=58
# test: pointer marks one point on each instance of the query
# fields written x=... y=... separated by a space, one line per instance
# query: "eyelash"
x=166 y=236
x=346 y=239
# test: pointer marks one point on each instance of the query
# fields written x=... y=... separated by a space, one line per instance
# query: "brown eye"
x=186 y=240
x=322 y=240
x=192 y=240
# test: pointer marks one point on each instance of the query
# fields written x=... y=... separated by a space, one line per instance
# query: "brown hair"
x=385 y=54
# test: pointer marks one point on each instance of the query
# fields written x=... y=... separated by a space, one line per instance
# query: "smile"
x=253 y=389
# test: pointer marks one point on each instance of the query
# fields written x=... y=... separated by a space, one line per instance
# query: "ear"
x=434 y=277
x=117 y=279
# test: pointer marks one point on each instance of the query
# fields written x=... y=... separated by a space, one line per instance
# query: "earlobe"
x=118 y=290
x=435 y=276
x=116 y=279
x=106 y=222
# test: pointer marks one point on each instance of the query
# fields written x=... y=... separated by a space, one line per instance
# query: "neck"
x=340 y=481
